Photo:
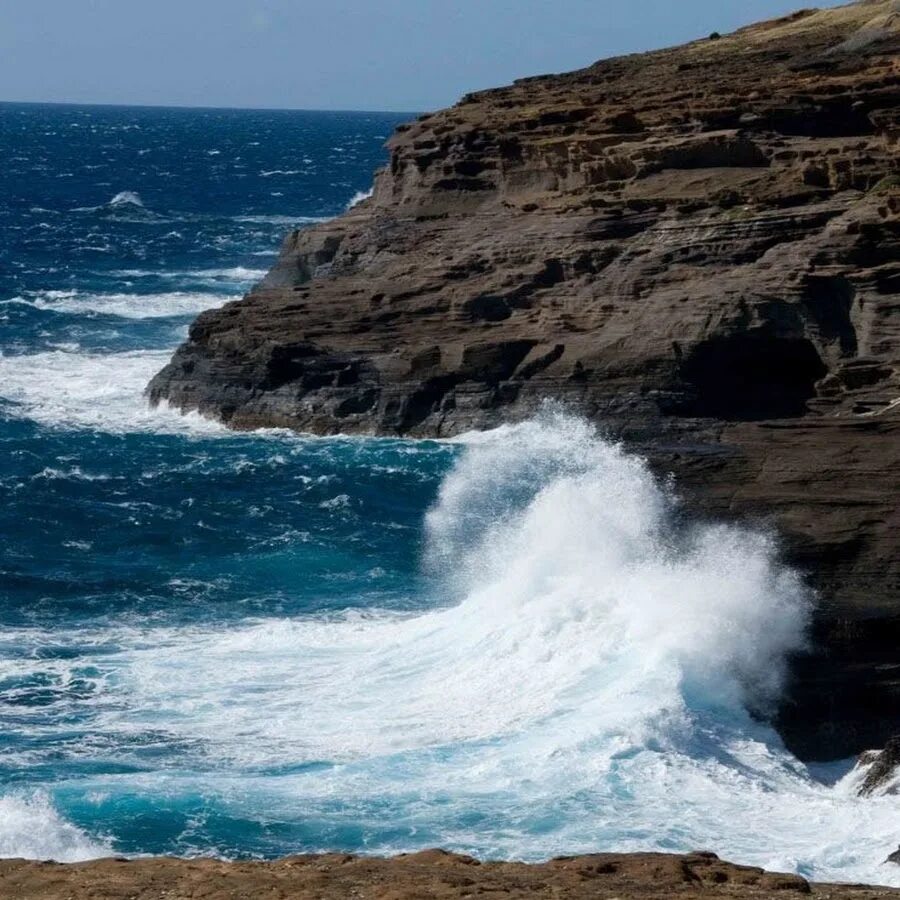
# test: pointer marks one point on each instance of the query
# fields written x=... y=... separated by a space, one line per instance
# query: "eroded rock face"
x=698 y=248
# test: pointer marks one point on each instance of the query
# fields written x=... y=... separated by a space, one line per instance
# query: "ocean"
x=250 y=645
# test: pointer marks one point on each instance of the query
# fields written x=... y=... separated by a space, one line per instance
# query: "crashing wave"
x=100 y=391
x=359 y=197
x=32 y=828
x=126 y=198
x=125 y=206
x=580 y=678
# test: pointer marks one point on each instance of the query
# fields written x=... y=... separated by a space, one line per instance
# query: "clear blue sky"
x=328 y=54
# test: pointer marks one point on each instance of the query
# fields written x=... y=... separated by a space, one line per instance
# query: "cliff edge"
x=698 y=248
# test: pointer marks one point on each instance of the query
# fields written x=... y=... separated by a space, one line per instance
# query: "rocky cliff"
x=698 y=248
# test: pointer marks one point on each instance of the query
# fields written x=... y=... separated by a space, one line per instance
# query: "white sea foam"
x=127 y=198
x=269 y=173
x=359 y=196
x=240 y=274
x=560 y=592
x=582 y=683
x=126 y=206
x=73 y=473
x=93 y=390
x=32 y=828
x=282 y=220
x=125 y=305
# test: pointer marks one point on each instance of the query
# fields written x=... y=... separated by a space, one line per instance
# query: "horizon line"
x=184 y=106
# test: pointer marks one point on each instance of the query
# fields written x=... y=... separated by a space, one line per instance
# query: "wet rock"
x=882 y=771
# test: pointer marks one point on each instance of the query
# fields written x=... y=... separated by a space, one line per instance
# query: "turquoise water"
x=252 y=645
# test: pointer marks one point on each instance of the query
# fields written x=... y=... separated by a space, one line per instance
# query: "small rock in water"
x=883 y=772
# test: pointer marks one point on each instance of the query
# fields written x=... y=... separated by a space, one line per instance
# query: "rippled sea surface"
x=258 y=644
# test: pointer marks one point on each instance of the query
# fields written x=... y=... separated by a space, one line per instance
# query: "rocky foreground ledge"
x=698 y=248
x=432 y=874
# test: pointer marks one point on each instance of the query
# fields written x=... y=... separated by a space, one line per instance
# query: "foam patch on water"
x=67 y=389
x=237 y=274
x=32 y=828
x=126 y=305
x=282 y=220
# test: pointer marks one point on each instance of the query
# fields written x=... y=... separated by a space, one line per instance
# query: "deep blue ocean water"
x=252 y=645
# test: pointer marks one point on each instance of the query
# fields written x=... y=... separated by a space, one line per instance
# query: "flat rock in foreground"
x=432 y=874
x=698 y=248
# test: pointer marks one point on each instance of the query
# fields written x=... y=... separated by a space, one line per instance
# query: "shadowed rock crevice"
x=751 y=376
x=829 y=300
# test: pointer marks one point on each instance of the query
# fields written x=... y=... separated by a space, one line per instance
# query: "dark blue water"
x=116 y=227
x=260 y=644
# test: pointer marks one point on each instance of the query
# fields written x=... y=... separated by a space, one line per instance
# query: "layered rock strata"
x=698 y=248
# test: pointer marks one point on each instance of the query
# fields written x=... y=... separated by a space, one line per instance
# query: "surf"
x=586 y=670
x=74 y=389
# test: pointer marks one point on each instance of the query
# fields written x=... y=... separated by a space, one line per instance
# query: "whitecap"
x=49 y=473
x=239 y=274
x=269 y=173
x=359 y=197
x=123 y=305
x=98 y=391
x=32 y=828
x=282 y=220
x=127 y=198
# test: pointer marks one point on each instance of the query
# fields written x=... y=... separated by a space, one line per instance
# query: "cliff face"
x=698 y=248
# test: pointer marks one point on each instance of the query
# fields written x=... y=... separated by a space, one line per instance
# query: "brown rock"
x=434 y=874
x=698 y=248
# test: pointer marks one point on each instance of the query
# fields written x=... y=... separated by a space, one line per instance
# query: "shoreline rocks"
x=433 y=873
x=880 y=771
x=697 y=248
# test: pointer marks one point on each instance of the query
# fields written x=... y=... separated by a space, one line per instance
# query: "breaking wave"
x=32 y=828
x=359 y=196
x=282 y=220
x=127 y=198
x=236 y=274
x=103 y=391
x=586 y=673
x=126 y=206
x=125 y=305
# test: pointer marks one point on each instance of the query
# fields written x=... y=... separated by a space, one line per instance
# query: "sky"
x=403 y=55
